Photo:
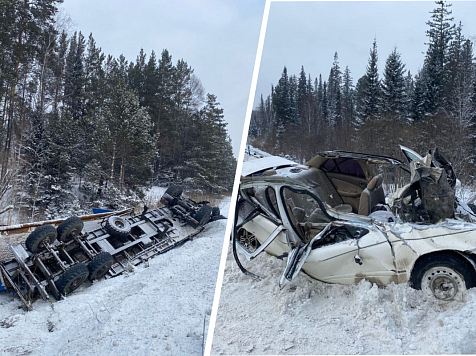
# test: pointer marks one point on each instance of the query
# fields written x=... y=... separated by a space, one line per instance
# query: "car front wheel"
x=446 y=277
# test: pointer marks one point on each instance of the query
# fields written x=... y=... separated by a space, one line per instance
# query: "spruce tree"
x=372 y=91
x=282 y=104
x=393 y=86
x=334 y=100
x=434 y=73
x=347 y=98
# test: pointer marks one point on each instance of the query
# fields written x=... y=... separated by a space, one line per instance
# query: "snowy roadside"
x=159 y=308
x=310 y=317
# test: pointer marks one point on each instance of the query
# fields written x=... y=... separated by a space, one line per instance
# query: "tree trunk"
x=121 y=175
x=113 y=161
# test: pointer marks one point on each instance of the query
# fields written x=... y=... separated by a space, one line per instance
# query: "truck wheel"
x=174 y=191
x=118 y=227
x=69 y=229
x=203 y=215
x=216 y=212
x=100 y=265
x=444 y=276
x=72 y=278
x=34 y=242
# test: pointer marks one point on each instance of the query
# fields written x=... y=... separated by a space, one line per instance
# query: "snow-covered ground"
x=161 y=308
x=310 y=317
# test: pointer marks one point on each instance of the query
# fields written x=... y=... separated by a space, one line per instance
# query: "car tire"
x=100 y=265
x=203 y=215
x=34 y=242
x=118 y=227
x=72 y=278
x=445 y=276
x=69 y=229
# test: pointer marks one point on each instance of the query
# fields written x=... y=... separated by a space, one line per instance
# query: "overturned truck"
x=55 y=261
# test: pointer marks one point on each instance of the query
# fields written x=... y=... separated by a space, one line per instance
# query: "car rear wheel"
x=445 y=277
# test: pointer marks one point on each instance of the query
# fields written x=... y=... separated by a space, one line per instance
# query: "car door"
x=338 y=262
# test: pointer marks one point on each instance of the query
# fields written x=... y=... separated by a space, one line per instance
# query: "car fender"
x=411 y=242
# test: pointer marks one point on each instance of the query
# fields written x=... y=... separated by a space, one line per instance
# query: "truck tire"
x=203 y=215
x=174 y=191
x=69 y=229
x=216 y=212
x=100 y=265
x=45 y=233
x=118 y=227
x=72 y=278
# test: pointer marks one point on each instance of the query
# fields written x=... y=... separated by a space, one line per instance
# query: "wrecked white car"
x=331 y=219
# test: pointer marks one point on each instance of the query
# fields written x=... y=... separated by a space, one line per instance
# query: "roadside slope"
x=159 y=308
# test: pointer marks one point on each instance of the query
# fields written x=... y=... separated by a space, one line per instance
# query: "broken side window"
x=306 y=215
x=270 y=195
x=347 y=166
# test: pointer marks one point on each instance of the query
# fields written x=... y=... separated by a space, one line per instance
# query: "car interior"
x=348 y=185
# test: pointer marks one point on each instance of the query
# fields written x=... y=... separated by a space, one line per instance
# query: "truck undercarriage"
x=54 y=261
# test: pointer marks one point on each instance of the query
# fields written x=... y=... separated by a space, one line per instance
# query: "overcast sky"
x=309 y=33
x=217 y=38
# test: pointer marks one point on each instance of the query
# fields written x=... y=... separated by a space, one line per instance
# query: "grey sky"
x=217 y=38
x=309 y=33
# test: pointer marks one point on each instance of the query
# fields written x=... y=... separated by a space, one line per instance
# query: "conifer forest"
x=435 y=107
x=79 y=127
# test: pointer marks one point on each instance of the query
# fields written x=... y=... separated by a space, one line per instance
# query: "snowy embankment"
x=159 y=308
x=310 y=317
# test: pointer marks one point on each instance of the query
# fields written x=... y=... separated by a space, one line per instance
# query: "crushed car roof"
x=321 y=157
x=258 y=165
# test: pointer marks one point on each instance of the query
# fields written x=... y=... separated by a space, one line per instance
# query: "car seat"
x=372 y=195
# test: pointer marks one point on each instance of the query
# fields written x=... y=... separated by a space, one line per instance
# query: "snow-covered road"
x=158 y=309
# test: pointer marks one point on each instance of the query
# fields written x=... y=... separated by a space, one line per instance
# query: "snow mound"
x=310 y=317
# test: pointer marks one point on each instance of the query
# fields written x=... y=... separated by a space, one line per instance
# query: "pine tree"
x=334 y=102
x=460 y=68
x=417 y=102
x=282 y=104
x=434 y=73
x=302 y=90
x=347 y=98
x=373 y=93
x=125 y=132
x=294 y=118
x=394 y=100
x=75 y=77
x=409 y=92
